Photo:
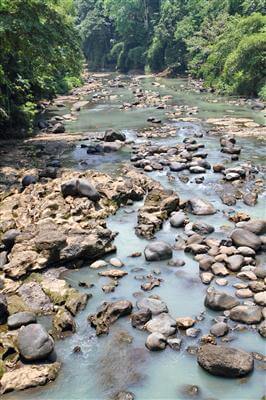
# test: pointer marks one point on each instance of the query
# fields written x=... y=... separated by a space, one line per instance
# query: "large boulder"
x=225 y=361
x=3 y=309
x=28 y=376
x=111 y=136
x=246 y=314
x=199 y=206
x=80 y=187
x=34 y=343
x=15 y=321
x=220 y=301
x=158 y=251
x=257 y=226
x=244 y=237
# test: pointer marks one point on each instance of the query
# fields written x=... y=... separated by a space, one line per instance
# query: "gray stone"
x=111 y=136
x=156 y=341
x=225 y=361
x=219 y=301
x=80 y=188
x=158 y=251
x=154 y=305
x=3 y=309
x=243 y=237
x=246 y=314
x=19 y=319
x=34 y=343
x=177 y=219
x=235 y=262
x=219 y=329
x=201 y=207
x=163 y=324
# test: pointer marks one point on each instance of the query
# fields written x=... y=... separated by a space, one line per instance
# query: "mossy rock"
x=16 y=304
x=2 y=368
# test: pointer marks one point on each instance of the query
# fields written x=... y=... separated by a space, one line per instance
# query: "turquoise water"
x=109 y=364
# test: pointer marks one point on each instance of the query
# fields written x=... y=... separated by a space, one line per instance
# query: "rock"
x=206 y=262
x=174 y=343
x=9 y=238
x=246 y=251
x=262 y=329
x=244 y=237
x=111 y=136
x=35 y=298
x=28 y=376
x=257 y=226
x=246 y=314
x=202 y=228
x=3 y=309
x=176 y=166
x=219 y=269
x=177 y=219
x=200 y=207
x=260 y=298
x=34 y=343
x=260 y=271
x=247 y=276
x=206 y=277
x=113 y=273
x=63 y=322
x=58 y=128
x=124 y=396
x=153 y=282
x=225 y=361
x=219 y=301
x=192 y=332
x=244 y=293
x=190 y=391
x=115 y=262
x=19 y=319
x=49 y=172
x=235 y=262
x=158 y=251
x=156 y=341
x=219 y=329
x=162 y=323
x=108 y=314
x=221 y=281
x=250 y=199
x=3 y=258
x=218 y=168
x=28 y=180
x=80 y=188
x=139 y=318
x=154 y=305
x=185 y=322
x=98 y=264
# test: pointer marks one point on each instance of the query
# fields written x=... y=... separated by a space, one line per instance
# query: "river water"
x=120 y=361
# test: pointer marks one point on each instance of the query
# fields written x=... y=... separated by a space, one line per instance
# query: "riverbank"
x=178 y=194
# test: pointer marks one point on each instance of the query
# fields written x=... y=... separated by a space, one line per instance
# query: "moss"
x=16 y=304
x=2 y=368
x=56 y=297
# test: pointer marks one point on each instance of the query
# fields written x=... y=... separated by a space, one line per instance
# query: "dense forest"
x=221 y=41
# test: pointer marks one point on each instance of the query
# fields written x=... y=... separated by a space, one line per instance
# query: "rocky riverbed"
x=132 y=252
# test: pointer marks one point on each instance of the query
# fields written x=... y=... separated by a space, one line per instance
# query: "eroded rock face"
x=158 y=251
x=220 y=301
x=29 y=376
x=244 y=237
x=108 y=314
x=246 y=314
x=225 y=361
x=200 y=207
x=34 y=343
x=63 y=322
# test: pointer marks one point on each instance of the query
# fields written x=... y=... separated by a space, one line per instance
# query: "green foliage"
x=39 y=56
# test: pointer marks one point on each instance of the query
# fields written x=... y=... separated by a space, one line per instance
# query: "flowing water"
x=109 y=364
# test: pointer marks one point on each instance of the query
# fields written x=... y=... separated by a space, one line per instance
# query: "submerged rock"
x=225 y=361
x=108 y=314
x=158 y=251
